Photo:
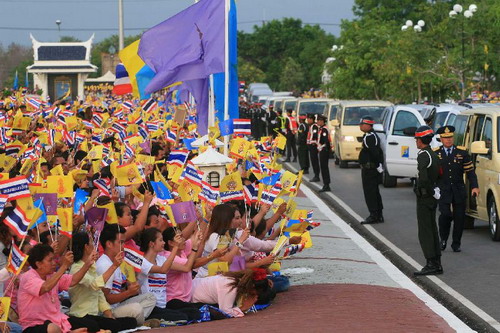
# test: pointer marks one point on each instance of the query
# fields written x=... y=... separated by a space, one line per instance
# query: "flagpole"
x=226 y=71
x=120 y=25
x=211 y=102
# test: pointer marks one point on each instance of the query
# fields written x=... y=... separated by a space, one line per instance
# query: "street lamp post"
x=468 y=13
x=416 y=28
x=120 y=25
x=58 y=22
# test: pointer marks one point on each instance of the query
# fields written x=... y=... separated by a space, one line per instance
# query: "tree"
x=69 y=39
x=248 y=72
x=292 y=76
x=14 y=57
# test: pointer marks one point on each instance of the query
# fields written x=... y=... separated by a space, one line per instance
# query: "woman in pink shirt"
x=38 y=302
x=234 y=292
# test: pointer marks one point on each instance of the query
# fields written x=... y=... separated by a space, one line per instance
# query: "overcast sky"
x=38 y=17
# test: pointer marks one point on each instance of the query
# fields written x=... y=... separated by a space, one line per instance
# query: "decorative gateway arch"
x=61 y=66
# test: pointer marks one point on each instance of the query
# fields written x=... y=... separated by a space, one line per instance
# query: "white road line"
x=386 y=265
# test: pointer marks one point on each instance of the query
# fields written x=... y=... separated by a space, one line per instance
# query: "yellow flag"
x=299 y=214
x=95 y=153
x=146 y=159
x=7 y=162
x=188 y=191
x=128 y=174
x=297 y=185
x=216 y=268
x=78 y=175
x=65 y=216
x=27 y=167
x=280 y=141
x=57 y=170
x=231 y=182
x=213 y=133
x=290 y=207
x=133 y=63
x=4 y=308
x=62 y=185
x=288 y=180
x=239 y=148
x=306 y=238
x=71 y=123
x=276 y=203
x=112 y=217
x=129 y=272
x=174 y=172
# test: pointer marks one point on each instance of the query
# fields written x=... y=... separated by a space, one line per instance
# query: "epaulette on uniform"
x=461 y=148
x=436 y=149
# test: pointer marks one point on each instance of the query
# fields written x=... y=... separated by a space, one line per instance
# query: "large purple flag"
x=187 y=46
x=199 y=89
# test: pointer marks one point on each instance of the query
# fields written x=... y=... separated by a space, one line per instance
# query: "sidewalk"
x=341 y=284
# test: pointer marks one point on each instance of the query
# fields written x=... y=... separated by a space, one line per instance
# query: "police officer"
x=290 y=130
x=271 y=119
x=324 y=149
x=427 y=195
x=302 y=143
x=312 y=143
x=454 y=162
x=370 y=161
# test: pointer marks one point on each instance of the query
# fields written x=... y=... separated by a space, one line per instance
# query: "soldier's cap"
x=303 y=117
x=321 y=117
x=368 y=120
x=424 y=132
x=311 y=116
x=446 y=131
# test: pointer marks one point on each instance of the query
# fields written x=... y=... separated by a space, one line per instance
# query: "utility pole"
x=120 y=25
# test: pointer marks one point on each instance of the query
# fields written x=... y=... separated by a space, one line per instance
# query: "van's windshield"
x=353 y=114
x=290 y=105
x=312 y=107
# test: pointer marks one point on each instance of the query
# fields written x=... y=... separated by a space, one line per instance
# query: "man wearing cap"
x=312 y=143
x=427 y=194
x=324 y=149
x=454 y=162
x=370 y=161
x=302 y=143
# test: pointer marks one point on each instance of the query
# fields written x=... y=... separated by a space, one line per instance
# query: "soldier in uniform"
x=290 y=130
x=302 y=143
x=324 y=149
x=454 y=162
x=370 y=161
x=271 y=119
x=312 y=143
x=427 y=194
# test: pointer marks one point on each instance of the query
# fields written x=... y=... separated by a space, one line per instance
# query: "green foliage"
x=248 y=72
x=69 y=39
x=270 y=47
x=292 y=76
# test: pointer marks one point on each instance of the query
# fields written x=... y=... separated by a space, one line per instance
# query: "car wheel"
x=494 y=222
x=388 y=180
x=342 y=164
x=469 y=222
x=337 y=158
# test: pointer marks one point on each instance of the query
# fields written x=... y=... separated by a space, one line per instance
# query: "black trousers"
x=369 y=179
x=445 y=218
x=313 y=153
x=427 y=227
x=324 y=156
x=174 y=315
x=291 y=146
x=303 y=153
x=96 y=323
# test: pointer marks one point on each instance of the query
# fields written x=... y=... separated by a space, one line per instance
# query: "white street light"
x=409 y=23
x=468 y=14
x=453 y=14
x=404 y=28
x=458 y=8
x=473 y=8
x=421 y=23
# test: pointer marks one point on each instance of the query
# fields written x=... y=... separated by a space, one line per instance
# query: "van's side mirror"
x=479 y=147
x=409 y=131
x=334 y=122
x=378 y=128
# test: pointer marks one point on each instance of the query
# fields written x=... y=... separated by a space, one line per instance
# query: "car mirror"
x=409 y=131
x=334 y=122
x=378 y=128
x=479 y=147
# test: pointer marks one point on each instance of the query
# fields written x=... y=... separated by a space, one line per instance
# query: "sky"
x=82 y=18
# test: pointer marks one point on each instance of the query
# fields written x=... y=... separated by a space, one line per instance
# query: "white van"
x=398 y=142
x=312 y=105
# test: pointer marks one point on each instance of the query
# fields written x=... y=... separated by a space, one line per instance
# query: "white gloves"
x=437 y=193
x=380 y=168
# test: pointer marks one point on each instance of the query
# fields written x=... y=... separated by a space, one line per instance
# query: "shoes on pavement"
x=295 y=159
x=325 y=188
x=456 y=248
x=287 y=160
x=153 y=323
x=443 y=245
x=380 y=217
x=433 y=267
x=372 y=219
x=306 y=172
x=315 y=179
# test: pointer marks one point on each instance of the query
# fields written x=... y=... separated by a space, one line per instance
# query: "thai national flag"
x=231 y=195
x=171 y=136
x=152 y=126
x=292 y=249
x=133 y=257
x=118 y=113
x=96 y=139
x=128 y=153
x=208 y=193
x=143 y=133
x=122 y=81
x=178 y=157
x=13 y=149
x=18 y=222
x=15 y=188
x=250 y=193
x=149 y=105
x=242 y=126
x=127 y=105
x=16 y=259
x=103 y=185
x=269 y=196
x=118 y=128
x=35 y=103
x=97 y=120
x=192 y=174
x=69 y=137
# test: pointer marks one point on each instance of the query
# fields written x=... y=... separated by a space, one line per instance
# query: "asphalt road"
x=474 y=272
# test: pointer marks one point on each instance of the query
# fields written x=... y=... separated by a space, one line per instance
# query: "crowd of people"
x=89 y=236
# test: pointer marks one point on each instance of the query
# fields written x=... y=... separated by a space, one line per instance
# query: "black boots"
x=433 y=267
x=325 y=188
x=374 y=218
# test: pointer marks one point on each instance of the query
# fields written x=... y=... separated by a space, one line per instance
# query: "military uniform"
x=312 y=143
x=291 y=144
x=428 y=173
x=324 y=149
x=303 y=150
x=370 y=161
x=454 y=162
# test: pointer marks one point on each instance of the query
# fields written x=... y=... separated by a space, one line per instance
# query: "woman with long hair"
x=87 y=299
x=235 y=292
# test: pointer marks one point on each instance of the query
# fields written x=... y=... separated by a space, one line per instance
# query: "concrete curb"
x=453 y=305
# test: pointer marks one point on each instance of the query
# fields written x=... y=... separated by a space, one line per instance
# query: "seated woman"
x=38 y=302
x=87 y=299
x=153 y=276
x=234 y=292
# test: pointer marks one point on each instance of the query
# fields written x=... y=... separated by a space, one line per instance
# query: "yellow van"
x=332 y=109
x=478 y=130
x=348 y=136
